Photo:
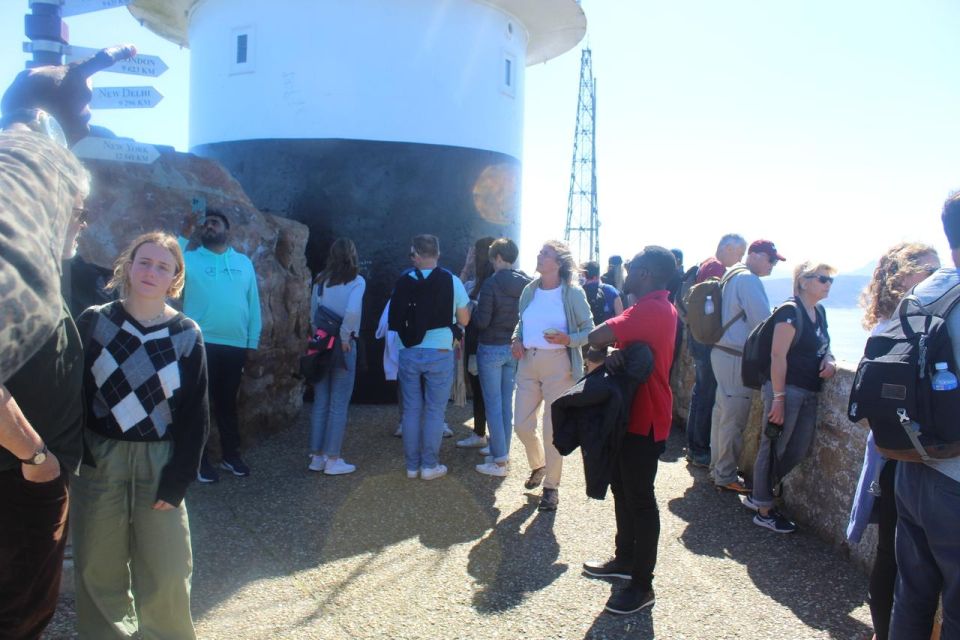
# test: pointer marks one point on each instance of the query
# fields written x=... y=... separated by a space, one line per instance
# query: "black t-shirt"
x=803 y=358
x=48 y=388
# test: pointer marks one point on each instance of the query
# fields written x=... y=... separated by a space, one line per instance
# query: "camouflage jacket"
x=39 y=183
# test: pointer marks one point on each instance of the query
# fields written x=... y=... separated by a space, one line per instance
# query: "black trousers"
x=224 y=373
x=638 y=519
x=33 y=535
x=883 y=577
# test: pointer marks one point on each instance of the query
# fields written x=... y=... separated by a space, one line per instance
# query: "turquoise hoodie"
x=221 y=296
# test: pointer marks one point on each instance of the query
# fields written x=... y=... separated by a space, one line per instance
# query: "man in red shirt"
x=653 y=321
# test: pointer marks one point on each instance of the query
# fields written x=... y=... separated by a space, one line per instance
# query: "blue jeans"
x=331 y=398
x=928 y=552
x=423 y=413
x=497 y=370
x=701 y=400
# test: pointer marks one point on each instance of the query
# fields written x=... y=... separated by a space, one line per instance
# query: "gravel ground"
x=291 y=554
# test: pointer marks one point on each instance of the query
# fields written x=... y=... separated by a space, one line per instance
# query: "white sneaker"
x=412 y=475
x=492 y=469
x=432 y=473
x=447 y=431
x=338 y=467
x=399 y=431
x=485 y=451
x=317 y=463
x=472 y=441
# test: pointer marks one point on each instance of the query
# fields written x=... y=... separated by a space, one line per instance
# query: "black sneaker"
x=207 y=473
x=236 y=465
x=612 y=568
x=536 y=477
x=775 y=521
x=549 y=500
x=630 y=600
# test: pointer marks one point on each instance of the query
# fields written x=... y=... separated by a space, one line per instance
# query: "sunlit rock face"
x=129 y=199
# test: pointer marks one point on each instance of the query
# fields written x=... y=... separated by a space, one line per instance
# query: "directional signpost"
x=116 y=149
x=125 y=98
x=139 y=65
x=75 y=7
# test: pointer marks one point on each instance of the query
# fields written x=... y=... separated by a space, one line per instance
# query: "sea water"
x=847 y=335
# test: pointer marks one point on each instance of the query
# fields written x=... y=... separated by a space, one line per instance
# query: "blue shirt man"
x=426 y=367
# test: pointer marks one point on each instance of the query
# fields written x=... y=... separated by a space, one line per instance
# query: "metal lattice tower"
x=583 y=224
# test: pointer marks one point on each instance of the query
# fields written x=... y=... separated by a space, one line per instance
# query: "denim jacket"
x=579 y=320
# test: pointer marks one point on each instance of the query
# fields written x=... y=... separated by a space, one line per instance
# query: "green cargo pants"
x=133 y=564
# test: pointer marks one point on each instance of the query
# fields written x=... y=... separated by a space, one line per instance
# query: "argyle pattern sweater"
x=147 y=384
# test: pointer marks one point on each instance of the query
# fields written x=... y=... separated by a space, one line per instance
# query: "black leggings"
x=883 y=577
x=479 y=409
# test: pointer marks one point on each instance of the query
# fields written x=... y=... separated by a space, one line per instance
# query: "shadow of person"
x=510 y=561
x=636 y=626
x=790 y=569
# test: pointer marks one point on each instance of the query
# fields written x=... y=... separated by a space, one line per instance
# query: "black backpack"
x=598 y=302
x=892 y=388
x=755 y=360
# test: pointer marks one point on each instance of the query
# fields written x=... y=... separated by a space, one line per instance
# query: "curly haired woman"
x=898 y=271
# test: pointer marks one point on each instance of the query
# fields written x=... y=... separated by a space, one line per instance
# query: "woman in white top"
x=338 y=288
x=555 y=319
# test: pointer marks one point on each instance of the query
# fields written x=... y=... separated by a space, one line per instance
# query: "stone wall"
x=820 y=491
x=128 y=199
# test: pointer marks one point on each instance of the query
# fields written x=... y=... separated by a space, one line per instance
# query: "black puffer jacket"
x=594 y=413
x=498 y=307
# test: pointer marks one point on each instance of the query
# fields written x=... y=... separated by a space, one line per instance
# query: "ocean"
x=847 y=335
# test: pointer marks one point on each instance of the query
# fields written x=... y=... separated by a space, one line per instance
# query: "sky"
x=828 y=127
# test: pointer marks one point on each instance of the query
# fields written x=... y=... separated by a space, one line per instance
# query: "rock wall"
x=128 y=199
x=820 y=491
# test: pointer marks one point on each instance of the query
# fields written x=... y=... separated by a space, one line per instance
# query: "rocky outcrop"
x=128 y=199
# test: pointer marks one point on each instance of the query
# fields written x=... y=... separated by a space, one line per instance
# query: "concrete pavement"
x=291 y=554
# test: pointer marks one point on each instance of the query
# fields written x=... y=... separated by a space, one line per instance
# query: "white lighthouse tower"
x=371 y=119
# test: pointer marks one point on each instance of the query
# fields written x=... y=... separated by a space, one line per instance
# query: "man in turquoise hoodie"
x=221 y=296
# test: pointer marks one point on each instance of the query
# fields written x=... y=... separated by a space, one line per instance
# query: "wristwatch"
x=39 y=456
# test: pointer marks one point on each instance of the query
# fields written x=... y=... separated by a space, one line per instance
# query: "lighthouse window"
x=508 y=79
x=241 y=48
x=244 y=49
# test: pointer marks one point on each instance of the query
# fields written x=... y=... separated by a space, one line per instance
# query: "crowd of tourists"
x=569 y=358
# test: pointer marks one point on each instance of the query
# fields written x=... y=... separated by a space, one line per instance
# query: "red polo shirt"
x=653 y=320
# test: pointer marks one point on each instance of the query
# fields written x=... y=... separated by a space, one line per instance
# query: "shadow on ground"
x=796 y=570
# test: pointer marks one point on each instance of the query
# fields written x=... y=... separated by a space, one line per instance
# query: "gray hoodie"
x=498 y=306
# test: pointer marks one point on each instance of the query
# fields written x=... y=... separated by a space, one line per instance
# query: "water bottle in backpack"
x=708 y=306
x=943 y=379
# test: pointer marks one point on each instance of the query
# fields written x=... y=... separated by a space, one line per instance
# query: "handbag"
x=321 y=349
x=323 y=345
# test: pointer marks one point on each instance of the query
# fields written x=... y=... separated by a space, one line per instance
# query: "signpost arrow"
x=139 y=65
x=125 y=98
x=75 y=7
x=116 y=149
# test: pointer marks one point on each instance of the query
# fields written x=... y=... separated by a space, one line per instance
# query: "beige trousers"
x=542 y=376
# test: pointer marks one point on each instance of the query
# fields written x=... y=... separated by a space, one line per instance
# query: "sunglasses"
x=81 y=215
x=413 y=254
x=821 y=279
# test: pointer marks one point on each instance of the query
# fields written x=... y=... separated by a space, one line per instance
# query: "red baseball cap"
x=765 y=246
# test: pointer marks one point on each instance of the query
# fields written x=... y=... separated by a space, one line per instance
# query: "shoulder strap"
x=941 y=307
x=729 y=274
x=798 y=330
